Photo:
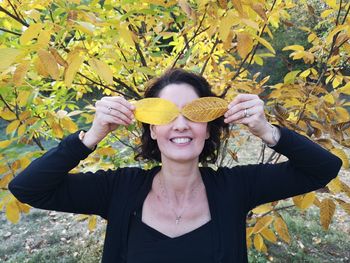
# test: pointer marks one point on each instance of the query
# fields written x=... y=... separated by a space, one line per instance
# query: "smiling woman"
x=180 y=211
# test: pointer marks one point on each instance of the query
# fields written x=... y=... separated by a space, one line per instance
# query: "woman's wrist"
x=272 y=136
x=88 y=140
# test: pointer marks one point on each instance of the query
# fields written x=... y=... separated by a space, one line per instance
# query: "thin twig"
x=209 y=56
x=9 y=31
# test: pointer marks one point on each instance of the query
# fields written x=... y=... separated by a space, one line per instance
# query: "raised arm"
x=308 y=168
x=46 y=183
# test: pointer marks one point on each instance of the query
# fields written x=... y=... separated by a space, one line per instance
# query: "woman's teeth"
x=181 y=140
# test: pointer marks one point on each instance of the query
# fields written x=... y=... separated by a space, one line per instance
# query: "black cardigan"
x=115 y=194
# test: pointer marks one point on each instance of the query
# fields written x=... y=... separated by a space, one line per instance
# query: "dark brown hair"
x=217 y=128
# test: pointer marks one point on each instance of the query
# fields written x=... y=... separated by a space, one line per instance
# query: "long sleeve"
x=309 y=167
x=46 y=183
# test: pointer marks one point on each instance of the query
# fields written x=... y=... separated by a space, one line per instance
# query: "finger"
x=242 y=114
x=242 y=105
x=117 y=114
x=120 y=100
x=113 y=108
x=109 y=119
x=243 y=97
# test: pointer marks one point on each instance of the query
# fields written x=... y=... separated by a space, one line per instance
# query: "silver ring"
x=109 y=109
x=246 y=113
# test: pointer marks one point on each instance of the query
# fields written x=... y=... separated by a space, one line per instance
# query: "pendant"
x=177 y=220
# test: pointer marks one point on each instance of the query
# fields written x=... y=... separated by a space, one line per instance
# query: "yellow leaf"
x=44 y=38
x=259 y=9
x=5 y=180
x=326 y=13
x=269 y=235
x=262 y=209
x=40 y=68
x=73 y=66
x=258 y=242
x=329 y=98
x=337 y=29
x=12 y=126
x=186 y=8
x=249 y=231
x=20 y=73
x=4 y=144
x=244 y=44
x=24 y=162
x=68 y=124
x=205 y=109
x=8 y=57
x=305 y=73
x=92 y=222
x=344 y=205
x=281 y=229
x=58 y=57
x=32 y=32
x=308 y=200
x=238 y=6
x=264 y=43
x=106 y=151
x=294 y=47
x=12 y=212
x=57 y=130
x=102 y=69
x=342 y=155
x=22 y=129
x=345 y=89
x=345 y=188
x=335 y=185
x=126 y=34
x=332 y=3
x=290 y=77
x=262 y=223
x=23 y=97
x=49 y=62
x=226 y=24
x=8 y=115
x=23 y=207
x=327 y=210
x=155 y=111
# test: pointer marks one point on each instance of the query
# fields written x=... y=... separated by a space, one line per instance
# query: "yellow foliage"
x=32 y=32
x=244 y=44
x=269 y=235
x=102 y=69
x=327 y=210
x=262 y=223
x=8 y=57
x=49 y=63
x=92 y=222
x=74 y=63
x=12 y=211
x=262 y=209
x=12 y=126
x=335 y=185
x=281 y=229
x=20 y=73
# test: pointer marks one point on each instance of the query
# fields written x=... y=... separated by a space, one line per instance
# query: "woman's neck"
x=179 y=181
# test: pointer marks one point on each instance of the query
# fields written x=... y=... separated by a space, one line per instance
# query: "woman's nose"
x=180 y=123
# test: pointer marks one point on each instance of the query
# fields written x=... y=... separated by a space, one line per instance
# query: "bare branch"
x=9 y=31
x=210 y=53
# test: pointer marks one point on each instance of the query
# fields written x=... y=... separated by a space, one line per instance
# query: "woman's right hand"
x=110 y=113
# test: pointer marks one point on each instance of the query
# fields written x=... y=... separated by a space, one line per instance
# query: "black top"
x=114 y=194
x=147 y=245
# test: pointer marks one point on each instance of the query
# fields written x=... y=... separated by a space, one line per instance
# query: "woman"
x=179 y=211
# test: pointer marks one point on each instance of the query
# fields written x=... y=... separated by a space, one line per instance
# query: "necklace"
x=193 y=192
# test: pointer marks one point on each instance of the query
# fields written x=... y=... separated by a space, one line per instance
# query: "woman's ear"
x=152 y=132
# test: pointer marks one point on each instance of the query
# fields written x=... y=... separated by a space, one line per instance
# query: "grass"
x=309 y=242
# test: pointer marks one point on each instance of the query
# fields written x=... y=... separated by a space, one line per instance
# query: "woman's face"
x=181 y=140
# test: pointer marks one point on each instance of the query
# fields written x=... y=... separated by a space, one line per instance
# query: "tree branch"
x=196 y=33
x=8 y=31
x=211 y=52
x=241 y=69
x=14 y=17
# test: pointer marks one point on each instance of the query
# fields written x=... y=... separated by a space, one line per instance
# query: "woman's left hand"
x=248 y=109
